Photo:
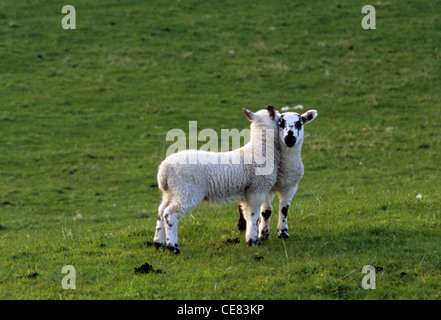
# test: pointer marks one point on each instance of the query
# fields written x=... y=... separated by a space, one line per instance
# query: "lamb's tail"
x=162 y=177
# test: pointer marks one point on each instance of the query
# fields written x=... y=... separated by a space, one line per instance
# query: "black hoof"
x=174 y=249
x=159 y=245
x=253 y=242
x=283 y=235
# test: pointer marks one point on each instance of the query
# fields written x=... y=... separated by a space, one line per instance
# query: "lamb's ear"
x=249 y=114
x=271 y=111
x=309 y=116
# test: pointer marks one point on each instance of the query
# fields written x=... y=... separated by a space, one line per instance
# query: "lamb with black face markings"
x=291 y=135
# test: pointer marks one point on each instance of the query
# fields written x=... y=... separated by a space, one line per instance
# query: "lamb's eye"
x=298 y=125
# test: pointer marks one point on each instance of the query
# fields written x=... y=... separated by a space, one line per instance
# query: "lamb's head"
x=263 y=119
x=291 y=127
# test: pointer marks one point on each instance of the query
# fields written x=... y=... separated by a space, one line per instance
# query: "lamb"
x=289 y=175
x=246 y=174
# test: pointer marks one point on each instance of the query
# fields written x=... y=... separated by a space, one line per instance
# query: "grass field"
x=83 y=119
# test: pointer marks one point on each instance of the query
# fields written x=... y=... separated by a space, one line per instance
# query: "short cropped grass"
x=84 y=115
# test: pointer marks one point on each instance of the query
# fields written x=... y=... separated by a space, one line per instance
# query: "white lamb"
x=187 y=178
x=289 y=175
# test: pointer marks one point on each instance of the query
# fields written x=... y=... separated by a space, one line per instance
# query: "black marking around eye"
x=299 y=124
x=282 y=123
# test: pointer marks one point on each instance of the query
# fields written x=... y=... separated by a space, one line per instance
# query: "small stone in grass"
x=232 y=241
x=145 y=268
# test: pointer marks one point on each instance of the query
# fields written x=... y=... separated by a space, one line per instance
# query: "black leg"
x=242 y=224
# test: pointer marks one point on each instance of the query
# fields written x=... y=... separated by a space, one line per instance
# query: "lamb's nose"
x=290 y=140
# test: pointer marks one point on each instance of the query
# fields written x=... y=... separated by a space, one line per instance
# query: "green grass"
x=83 y=119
